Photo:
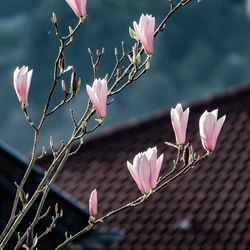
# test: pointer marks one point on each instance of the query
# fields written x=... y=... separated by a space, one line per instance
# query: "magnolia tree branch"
x=127 y=75
x=163 y=182
x=13 y=215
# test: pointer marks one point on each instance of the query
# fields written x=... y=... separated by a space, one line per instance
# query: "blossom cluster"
x=146 y=166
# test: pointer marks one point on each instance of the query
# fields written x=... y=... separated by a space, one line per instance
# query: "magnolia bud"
x=145 y=30
x=98 y=96
x=93 y=205
x=210 y=127
x=22 y=79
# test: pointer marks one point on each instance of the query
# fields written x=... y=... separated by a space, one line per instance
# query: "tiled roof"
x=208 y=208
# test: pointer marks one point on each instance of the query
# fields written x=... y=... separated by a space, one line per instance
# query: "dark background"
x=204 y=50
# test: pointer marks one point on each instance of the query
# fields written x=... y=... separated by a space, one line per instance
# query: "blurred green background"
x=204 y=50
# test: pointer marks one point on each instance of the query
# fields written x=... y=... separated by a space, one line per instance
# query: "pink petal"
x=97 y=86
x=208 y=126
x=74 y=6
x=217 y=130
x=29 y=77
x=22 y=79
x=215 y=113
x=145 y=32
x=185 y=117
x=82 y=7
x=92 y=96
x=176 y=123
x=144 y=174
x=133 y=169
x=156 y=171
x=93 y=203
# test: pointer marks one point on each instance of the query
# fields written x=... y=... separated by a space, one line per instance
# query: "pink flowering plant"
x=79 y=7
x=144 y=32
x=22 y=79
x=210 y=127
x=145 y=170
x=147 y=167
x=98 y=96
x=179 y=119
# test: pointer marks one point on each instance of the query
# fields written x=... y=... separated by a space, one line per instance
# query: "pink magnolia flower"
x=179 y=119
x=78 y=6
x=93 y=203
x=145 y=169
x=210 y=128
x=22 y=79
x=98 y=96
x=145 y=32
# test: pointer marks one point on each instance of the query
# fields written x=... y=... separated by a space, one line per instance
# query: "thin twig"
x=73 y=118
x=28 y=118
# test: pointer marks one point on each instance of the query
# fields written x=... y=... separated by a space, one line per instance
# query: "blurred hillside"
x=204 y=50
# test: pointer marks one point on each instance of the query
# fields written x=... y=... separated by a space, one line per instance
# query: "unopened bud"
x=70 y=30
x=116 y=52
x=136 y=56
x=147 y=66
x=133 y=34
x=70 y=33
x=54 y=18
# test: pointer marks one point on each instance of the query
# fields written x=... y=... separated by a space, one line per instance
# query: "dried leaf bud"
x=78 y=85
x=185 y=155
x=30 y=237
x=74 y=83
x=62 y=63
x=192 y=155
